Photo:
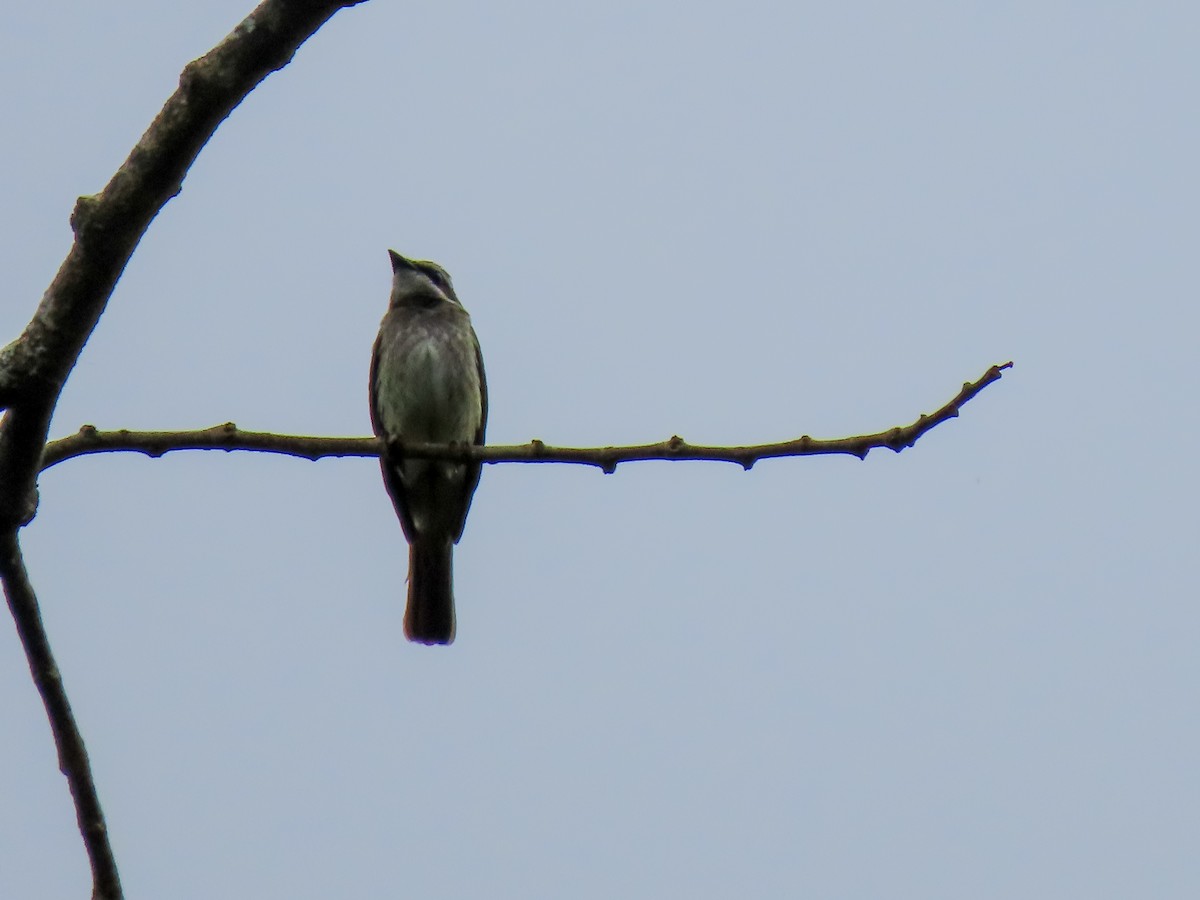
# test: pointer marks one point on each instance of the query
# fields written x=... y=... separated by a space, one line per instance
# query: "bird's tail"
x=429 y=618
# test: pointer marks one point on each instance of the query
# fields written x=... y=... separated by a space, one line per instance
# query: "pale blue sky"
x=968 y=670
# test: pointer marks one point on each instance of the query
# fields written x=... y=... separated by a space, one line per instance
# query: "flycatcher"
x=427 y=385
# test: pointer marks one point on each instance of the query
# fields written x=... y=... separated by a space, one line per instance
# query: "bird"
x=428 y=386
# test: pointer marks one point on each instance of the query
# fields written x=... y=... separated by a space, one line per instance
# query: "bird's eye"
x=437 y=275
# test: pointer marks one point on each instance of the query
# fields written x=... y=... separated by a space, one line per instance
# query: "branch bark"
x=89 y=440
x=34 y=367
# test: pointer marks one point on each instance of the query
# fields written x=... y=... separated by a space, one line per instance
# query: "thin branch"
x=72 y=754
x=89 y=440
x=33 y=368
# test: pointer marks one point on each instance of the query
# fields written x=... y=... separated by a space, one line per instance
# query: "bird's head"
x=419 y=282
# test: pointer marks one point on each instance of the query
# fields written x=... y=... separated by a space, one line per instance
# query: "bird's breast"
x=428 y=383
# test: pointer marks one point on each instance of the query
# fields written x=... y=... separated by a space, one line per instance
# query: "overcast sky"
x=967 y=670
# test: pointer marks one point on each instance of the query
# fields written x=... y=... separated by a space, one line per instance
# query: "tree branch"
x=33 y=368
x=89 y=440
x=109 y=225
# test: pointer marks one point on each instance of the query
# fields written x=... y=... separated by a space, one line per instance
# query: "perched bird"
x=427 y=385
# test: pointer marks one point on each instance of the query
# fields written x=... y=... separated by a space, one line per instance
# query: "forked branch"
x=34 y=367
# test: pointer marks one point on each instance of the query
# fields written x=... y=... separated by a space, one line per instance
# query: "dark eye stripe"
x=436 y=273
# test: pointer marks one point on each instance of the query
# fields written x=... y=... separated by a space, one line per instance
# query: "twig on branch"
x=33 y=368
x=228 y=437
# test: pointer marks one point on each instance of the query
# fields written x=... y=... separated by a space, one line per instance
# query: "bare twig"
x=33 y=368
x=72 y=754
x=88 y=440
x=228 y=437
